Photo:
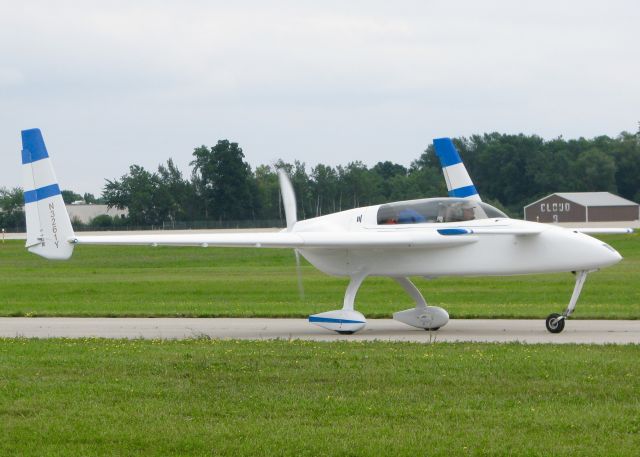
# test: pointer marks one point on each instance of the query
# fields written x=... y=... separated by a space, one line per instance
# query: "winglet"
x=459 y=182
x=48 y=224
x=33 y=147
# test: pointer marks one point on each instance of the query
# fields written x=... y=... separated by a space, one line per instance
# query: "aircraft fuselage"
x=554 y=249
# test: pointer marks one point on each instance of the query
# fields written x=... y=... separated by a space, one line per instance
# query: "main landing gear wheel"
x=555 y=323
x=345 y=321
x=429 y=318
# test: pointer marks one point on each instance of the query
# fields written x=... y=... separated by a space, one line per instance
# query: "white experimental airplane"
x=455 y=236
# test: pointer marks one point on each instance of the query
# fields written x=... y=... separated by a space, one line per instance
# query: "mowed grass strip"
x=207 y=397
x=212 y=282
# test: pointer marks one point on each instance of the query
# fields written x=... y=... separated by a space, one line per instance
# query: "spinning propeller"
x=291 y=216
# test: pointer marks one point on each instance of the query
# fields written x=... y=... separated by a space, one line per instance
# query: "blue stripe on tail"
x=33 y=148
x=41 y=193
x=446 y=152
x=463 y=192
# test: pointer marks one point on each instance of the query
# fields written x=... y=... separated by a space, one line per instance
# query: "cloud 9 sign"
x=555 y=207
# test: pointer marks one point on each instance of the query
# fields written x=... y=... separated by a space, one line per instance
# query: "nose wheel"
x=555 y=321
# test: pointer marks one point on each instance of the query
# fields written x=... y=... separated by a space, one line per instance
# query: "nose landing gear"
x=555 y=322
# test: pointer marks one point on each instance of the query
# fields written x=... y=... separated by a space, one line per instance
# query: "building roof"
x=591 y=199
x=596 y=199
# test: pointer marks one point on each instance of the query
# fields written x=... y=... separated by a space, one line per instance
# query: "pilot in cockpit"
x=468 y=214
x=463 y=211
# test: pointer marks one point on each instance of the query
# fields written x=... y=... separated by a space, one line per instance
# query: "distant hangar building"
x=582 y=207
x=85 y=213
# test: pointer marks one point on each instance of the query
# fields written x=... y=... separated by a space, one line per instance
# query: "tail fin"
x=288 y=199
x=459 y=182
x=48 y=224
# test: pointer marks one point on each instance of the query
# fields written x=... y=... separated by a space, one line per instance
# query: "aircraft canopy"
x=432 y=210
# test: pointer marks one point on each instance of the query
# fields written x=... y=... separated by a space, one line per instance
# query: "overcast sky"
x=121 y=82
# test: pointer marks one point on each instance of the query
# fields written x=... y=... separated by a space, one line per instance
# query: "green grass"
x=207 y=397
x=165 y=281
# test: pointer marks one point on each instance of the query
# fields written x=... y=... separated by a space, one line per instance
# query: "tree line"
x=509 y=171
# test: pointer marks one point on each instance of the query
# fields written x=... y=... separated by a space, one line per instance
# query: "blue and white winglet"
x=458 y=181
x=48 y=224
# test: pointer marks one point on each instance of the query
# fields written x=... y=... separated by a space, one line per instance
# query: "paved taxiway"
x=487 y=330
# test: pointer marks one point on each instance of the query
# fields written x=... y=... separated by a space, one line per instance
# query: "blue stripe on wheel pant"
x=333 y=321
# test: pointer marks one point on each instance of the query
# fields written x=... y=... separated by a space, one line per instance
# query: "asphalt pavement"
x=481 y=330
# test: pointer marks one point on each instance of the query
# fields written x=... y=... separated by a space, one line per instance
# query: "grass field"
x=208 y=397
x=165 y=281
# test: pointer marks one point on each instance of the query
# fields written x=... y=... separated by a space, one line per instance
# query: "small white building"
x=84 y=213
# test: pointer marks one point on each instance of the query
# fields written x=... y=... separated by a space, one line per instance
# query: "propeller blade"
x=288 y=199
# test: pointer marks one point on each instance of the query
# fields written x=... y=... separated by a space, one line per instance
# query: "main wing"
x=50 y=234
x=296 y=240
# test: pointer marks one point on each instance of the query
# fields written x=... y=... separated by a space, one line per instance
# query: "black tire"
x=345 y=332
x=555 y=325
x=432 y=329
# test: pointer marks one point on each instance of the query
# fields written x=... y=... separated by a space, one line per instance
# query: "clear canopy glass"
x=431 y=210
